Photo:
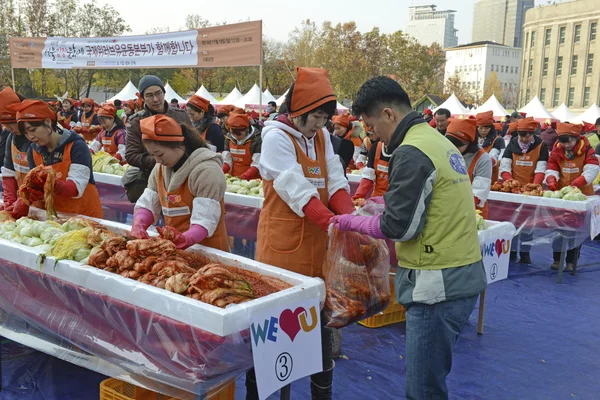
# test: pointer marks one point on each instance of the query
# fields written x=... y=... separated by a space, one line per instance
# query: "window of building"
x=526 y=39
x=574 y=65
x=516 y=70
x=545 y=67
x=530 y=70
x=586 y=96
x=512 y=70
x=593 y=27
x=543 y=95
x=556 y=97
x=559 y=62
x=532 y=39
x=528 y=94
x=590 y=64
x=577 y=34
x=571 y=97
x=547 y=36
x=561 y=34
x=492 y=67
x=502 y=68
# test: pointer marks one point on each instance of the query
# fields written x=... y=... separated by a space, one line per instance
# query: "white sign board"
x=496 y=257
x=286 y=344
x=595 y=221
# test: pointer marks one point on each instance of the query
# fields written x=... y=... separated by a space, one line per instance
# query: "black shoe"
x=321 y=385
x=513 y=256
x=525 y=258
x=251 y=388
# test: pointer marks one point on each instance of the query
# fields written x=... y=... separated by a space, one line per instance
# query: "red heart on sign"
x=289 y=322
x=172 y=198
x=498 y=247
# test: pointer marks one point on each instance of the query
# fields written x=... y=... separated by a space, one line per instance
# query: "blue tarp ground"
x=541 y=341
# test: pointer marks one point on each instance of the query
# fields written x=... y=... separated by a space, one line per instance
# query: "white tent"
x=127 y=93
x=267 y=96
x=172 y=94
x=563 y=114
x=281 y=98
x=454 y=106
x=536 y=109
x=202 y=92
x=251 y=99
x=340 y=107
x=492 y=104
x=232 y=97
x=590 y=115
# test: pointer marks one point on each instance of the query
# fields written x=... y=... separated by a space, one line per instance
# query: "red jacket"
x=583 y=146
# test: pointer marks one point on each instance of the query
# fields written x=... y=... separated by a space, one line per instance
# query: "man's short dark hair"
x=272 y=104
x=443 y=111
x=117 y=103
x=379 y=91
x=598 y=122
x=174 y=101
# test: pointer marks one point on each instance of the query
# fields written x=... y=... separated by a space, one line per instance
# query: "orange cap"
x=130 y=104
x=237 y=110
x=161 y=128
x=88 y=101
x=311 y=90
x=527 y=125
x=8 y=97
x=462 y=129
x=512 y=127
x=568 y=129
x=33 y=111
x=107 y=110
x=343 y=120
x=485 y=118
x=238 y=121
x=225 y=108
x=199 y=102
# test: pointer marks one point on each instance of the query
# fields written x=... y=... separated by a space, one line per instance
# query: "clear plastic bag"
x=356 y=272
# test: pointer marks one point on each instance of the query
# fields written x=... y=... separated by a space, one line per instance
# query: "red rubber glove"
x=66 y=188
x=579 y=181
x=226 y=168
x=341 y=203
x=10 y=187
x=476 y=201
x=360 y=165
x=252 y=173
x=195 y=234
x=119 y=157
x=494 y=162
x=539 y=178
x=316 y=212
x=19 y=209
x=363 y=189
x=506 y=176
x=142 y=219
x=552 y=183
x=92 y=152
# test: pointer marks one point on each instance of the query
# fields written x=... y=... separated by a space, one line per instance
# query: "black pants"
x=572 y=255
x=326 y=351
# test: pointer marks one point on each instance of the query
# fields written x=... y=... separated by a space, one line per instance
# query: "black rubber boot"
x=513 y=256
x=321 y=384
x=251 y=388
x=525 y=258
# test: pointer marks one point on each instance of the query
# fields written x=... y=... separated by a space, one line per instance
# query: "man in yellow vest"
x=431 y=216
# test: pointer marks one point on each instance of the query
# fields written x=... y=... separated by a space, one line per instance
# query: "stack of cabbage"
x=253 y=187
x=356 y=172
x=481 y=224
x=107 y=164
x=567 y=193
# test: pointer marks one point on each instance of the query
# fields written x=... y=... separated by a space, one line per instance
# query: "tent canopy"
x=454 y=106
x=536 y=109
x=340 y=107
x=202 y=92
x=563 y=114
x=172 y=94
x=251 y=99
x=127 y=93
x=232 y=97
x=492 y=104
x=281 y=98
x=590 y=115
x=267 y=96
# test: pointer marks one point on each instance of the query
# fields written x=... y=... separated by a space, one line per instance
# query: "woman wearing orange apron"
x=88 y=125
x=343 y=128
x=525 y=159
x=462 y=133
x=111 y=138
x=573 y=162
x=489 y=140
x=304 y=186
x=376 y=172
x=242 y=148
x=370 y=141
x=67 y=116
x=66 y=152
x=202 y=114
x=187 y=185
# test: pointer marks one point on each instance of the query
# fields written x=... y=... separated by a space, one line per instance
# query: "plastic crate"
x=114 y=389
x=393 y=313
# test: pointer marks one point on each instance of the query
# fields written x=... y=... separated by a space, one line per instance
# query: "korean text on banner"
x=496 y=257
x=219 y=46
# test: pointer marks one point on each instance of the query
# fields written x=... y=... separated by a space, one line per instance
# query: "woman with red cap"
x=375 y=173
x=67 y=116
x=88 y=125
x=525 y=159
x=112 y=136
x=13 y=148
x=490 y=141
x=344 y=128
x=202 y=114
x=129 y=108
x=66 y=152
x=573 y=162
x=304 y=185
x=242 y=148
x=462 y=134
x=187 y=185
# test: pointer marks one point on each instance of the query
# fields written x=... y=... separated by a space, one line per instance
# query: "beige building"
x=561 y=55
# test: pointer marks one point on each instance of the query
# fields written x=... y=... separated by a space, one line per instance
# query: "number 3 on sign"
x=284 y=366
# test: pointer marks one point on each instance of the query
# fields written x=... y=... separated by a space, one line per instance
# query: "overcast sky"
x=280 y=17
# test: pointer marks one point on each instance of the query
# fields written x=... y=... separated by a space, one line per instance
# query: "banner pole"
x=12 y=71
x=261 y=91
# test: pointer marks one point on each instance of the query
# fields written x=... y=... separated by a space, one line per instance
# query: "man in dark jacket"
x=549 y=135
x=442 y=116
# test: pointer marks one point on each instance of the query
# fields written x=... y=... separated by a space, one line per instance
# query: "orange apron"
x=367 y=142
x=242 y=157
x=572 y=169
x=286 y=240
x=87 y=123
x=495 y=168
x=381 y=173
x=356 y=139
x=66 y=121
x=20 y=163
x=484 y=209
x=177 y=210
x=88 y=204
x=109 y=144
x=523 y=165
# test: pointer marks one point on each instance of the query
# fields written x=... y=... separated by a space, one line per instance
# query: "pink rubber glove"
x=355 y=223
x=195 y=234
x=377 y=200
x=142 y=219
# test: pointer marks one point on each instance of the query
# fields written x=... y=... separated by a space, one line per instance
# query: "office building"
x=500 y=21
x=429 y=26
